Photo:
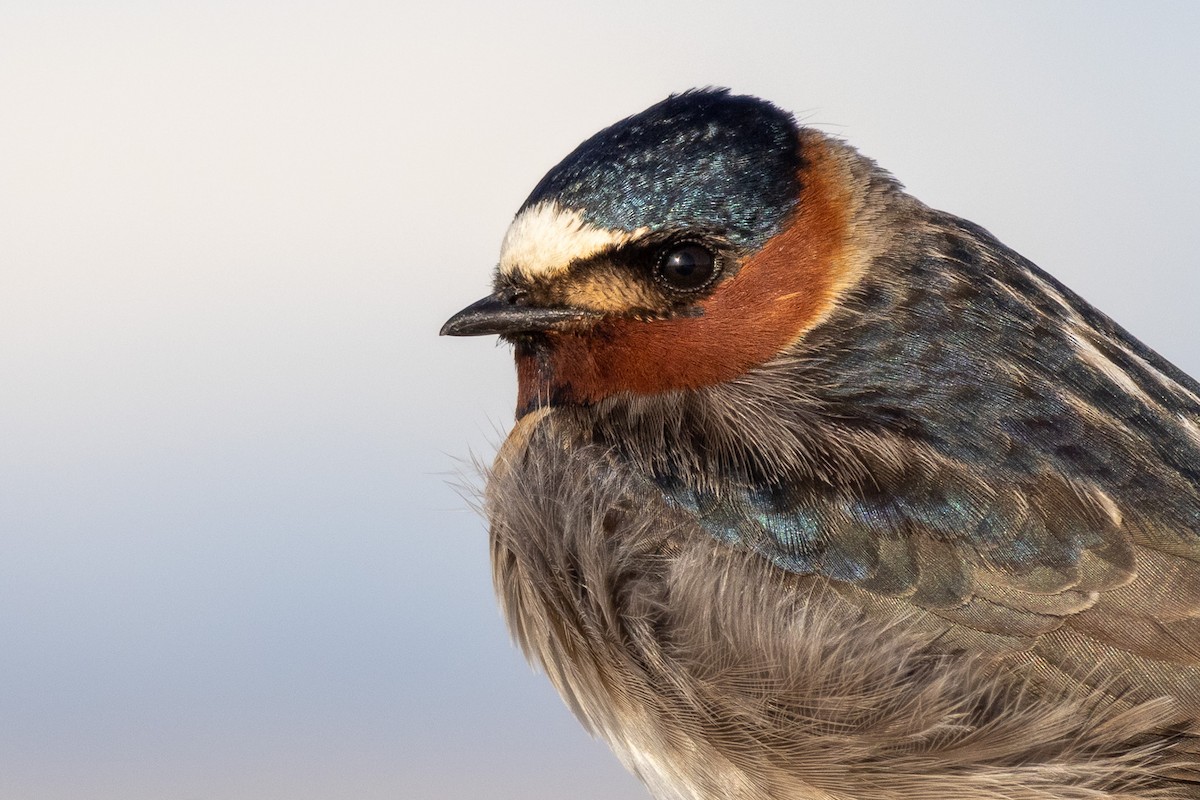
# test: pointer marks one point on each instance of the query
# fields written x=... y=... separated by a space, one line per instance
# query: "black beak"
x=498 y=313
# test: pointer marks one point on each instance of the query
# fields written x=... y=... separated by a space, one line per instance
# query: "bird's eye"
x=686 y=268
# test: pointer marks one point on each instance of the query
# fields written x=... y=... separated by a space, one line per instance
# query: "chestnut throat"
x=780 y=293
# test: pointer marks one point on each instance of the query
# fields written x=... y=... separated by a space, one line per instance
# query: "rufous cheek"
x=779 y=294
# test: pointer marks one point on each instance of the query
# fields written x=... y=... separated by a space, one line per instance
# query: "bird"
x=816 y=492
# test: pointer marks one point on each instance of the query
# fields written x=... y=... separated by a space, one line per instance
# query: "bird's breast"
x=709 y=672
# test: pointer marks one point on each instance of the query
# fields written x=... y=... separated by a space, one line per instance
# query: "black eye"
x=686 y=268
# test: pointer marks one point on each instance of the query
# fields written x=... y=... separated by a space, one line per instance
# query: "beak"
x=498 y=313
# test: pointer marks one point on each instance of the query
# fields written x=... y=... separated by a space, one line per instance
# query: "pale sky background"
x=231 y=566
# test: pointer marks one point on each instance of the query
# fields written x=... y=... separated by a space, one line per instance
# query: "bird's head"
x=676 y=249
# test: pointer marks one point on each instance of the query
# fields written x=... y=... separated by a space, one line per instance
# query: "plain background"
x=231 y=562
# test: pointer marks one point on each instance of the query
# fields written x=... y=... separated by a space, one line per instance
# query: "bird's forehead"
x=701 y=161
x=545 y=239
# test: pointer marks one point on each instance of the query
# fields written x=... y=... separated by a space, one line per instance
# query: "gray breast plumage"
x=714 y=674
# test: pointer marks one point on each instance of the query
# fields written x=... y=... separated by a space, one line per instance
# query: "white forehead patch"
x=544 y=239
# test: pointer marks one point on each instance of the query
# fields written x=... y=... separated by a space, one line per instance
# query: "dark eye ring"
x=686 y=268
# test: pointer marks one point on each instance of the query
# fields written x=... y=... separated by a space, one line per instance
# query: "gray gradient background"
x=230 y=562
